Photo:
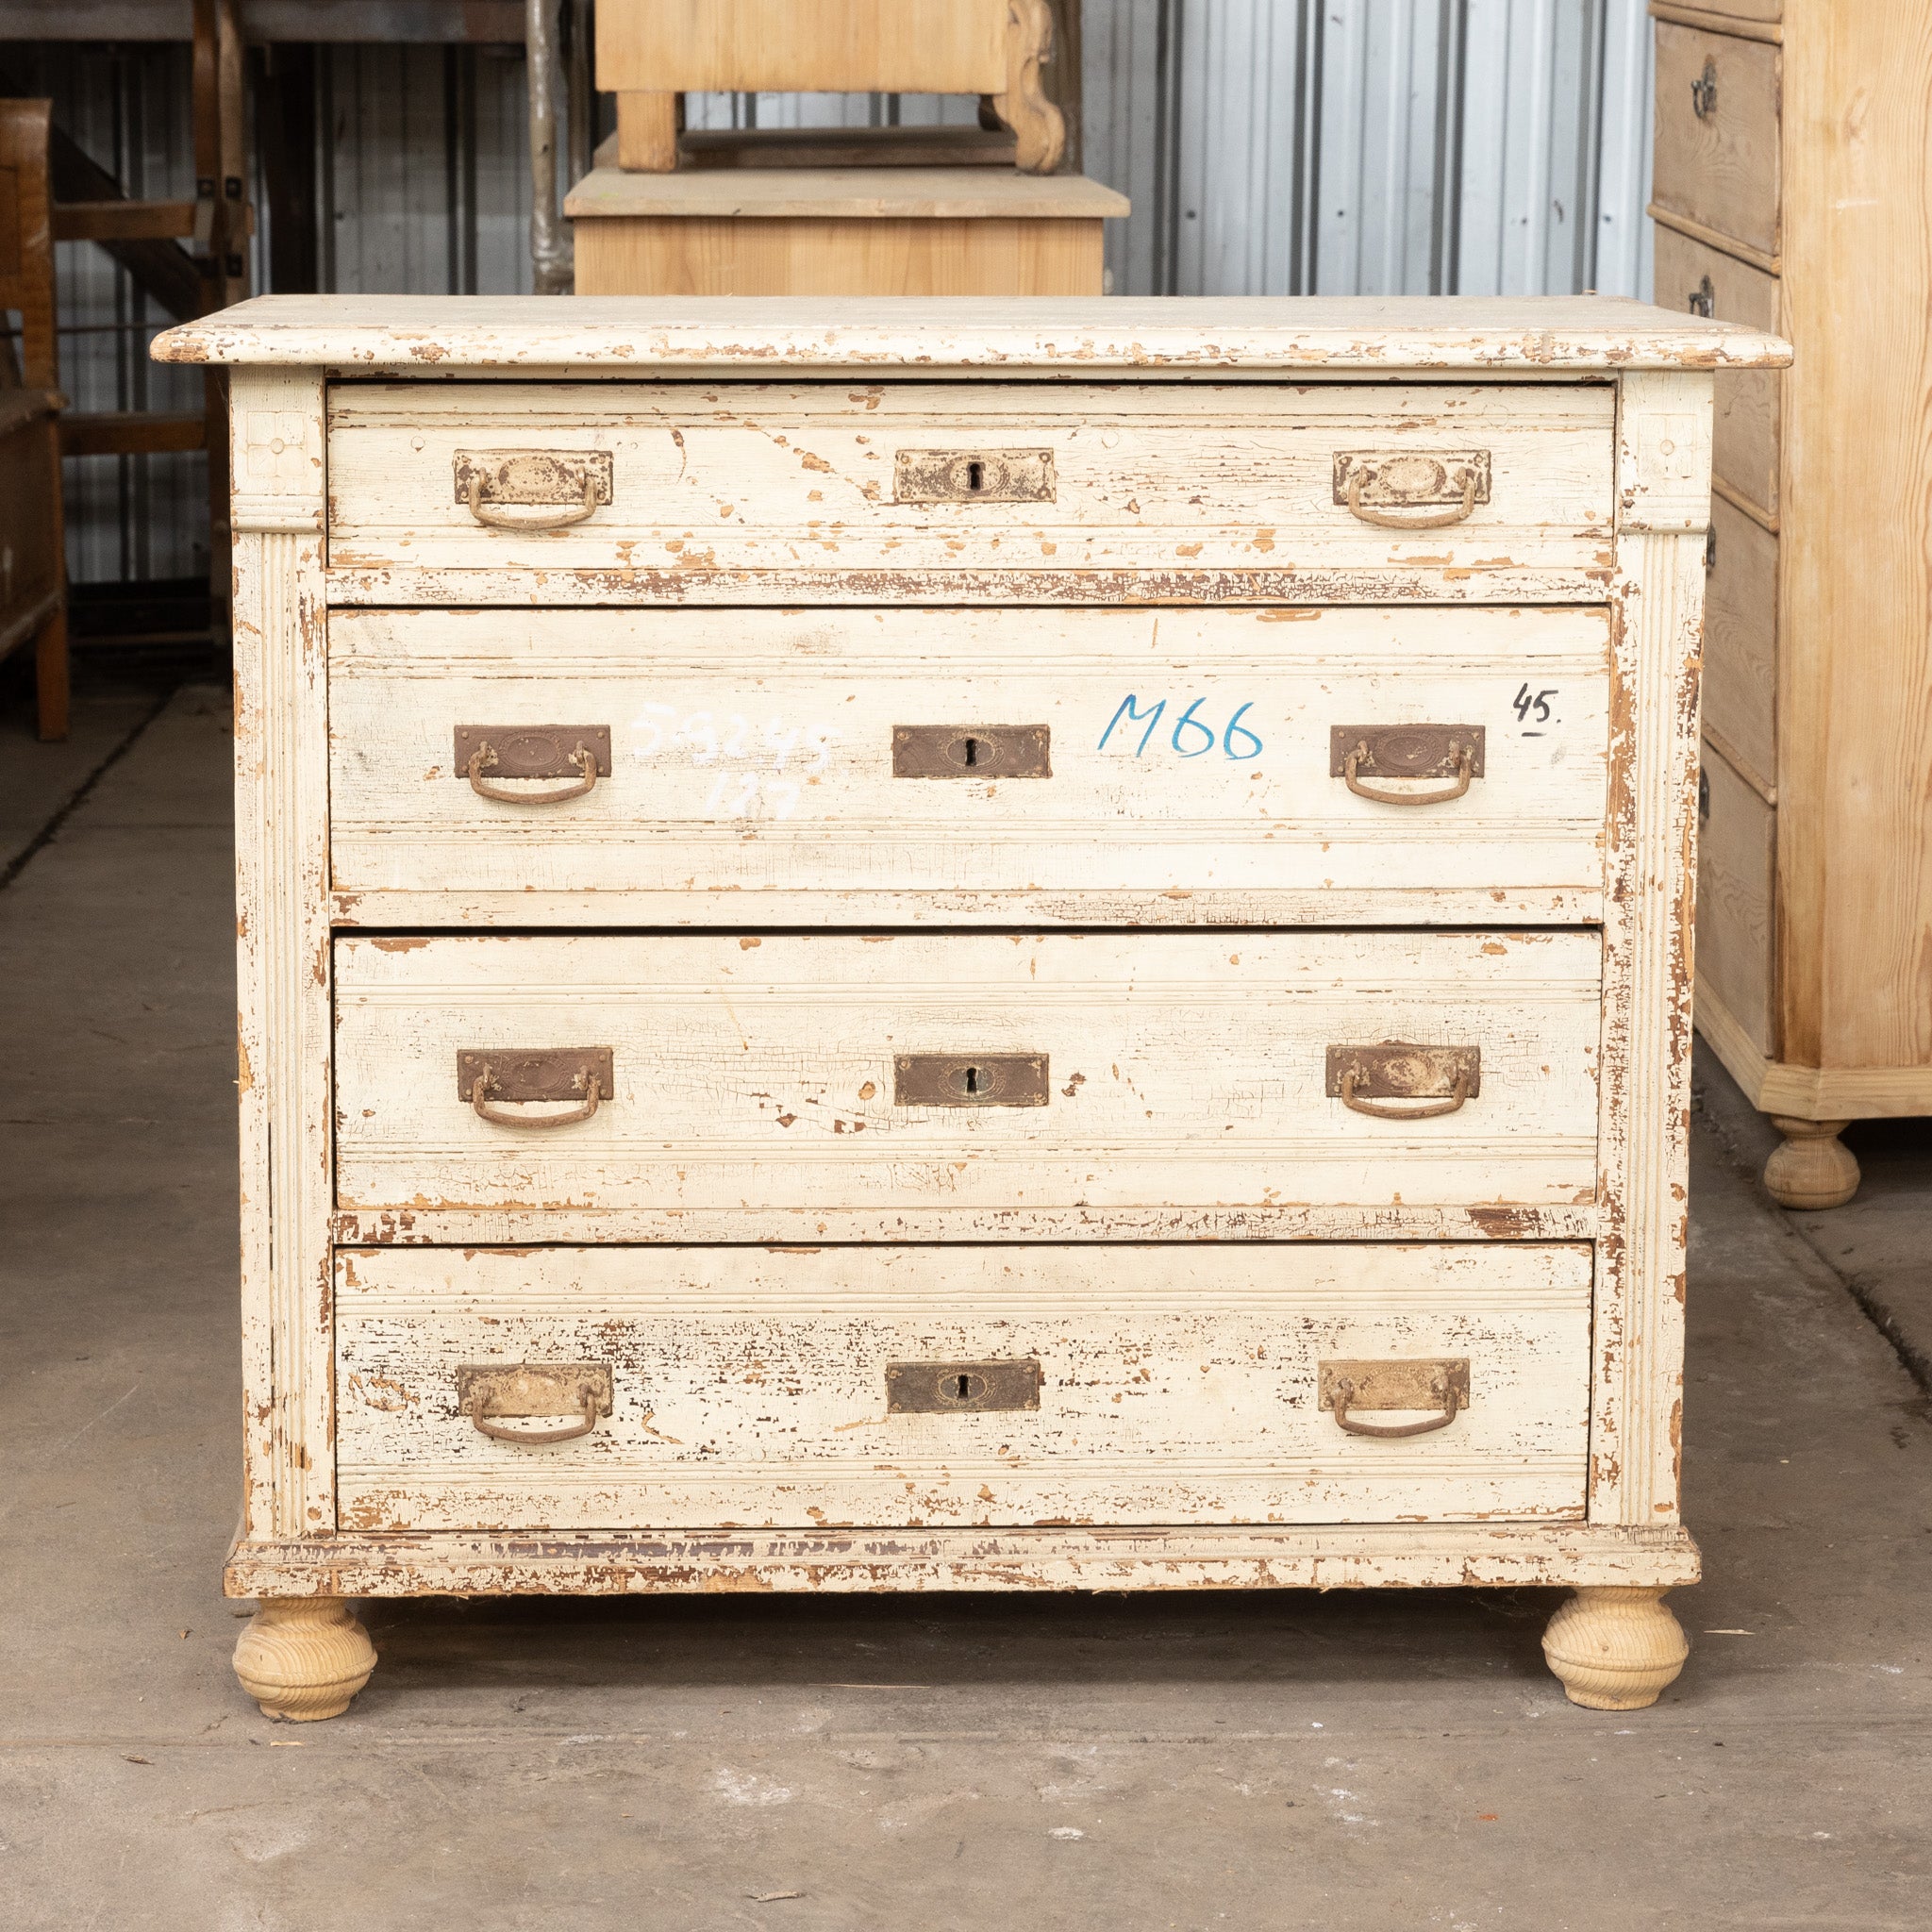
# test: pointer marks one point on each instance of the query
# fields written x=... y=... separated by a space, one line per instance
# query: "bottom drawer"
x=750 y=1387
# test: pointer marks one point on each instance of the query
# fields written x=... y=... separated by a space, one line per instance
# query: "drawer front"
x=1161 y=1069
x=1747 y=425
x=1736 y=855
x=693 y=489
x=1717 y=135
x=975 y=752
x=1740 y=641
x=741 y=1388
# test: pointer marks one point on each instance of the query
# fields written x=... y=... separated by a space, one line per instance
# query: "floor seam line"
x=47 y=833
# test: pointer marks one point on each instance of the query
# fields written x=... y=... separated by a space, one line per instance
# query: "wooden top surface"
x=656 y=333
x=846 y=193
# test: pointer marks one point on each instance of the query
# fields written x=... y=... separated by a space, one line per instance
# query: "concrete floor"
x=1257 y=1762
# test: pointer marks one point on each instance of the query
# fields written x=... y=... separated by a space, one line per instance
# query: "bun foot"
x=1810 y=1168
x=304 y=1656
x=1615 y=1649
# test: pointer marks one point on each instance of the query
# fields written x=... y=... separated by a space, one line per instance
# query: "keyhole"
x=962 y=1386
x=972 y=1078
x=973 y=751
x=976 y=476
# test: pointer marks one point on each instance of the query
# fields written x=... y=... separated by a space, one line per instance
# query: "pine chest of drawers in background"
x=891 y=948
x=1792 y=189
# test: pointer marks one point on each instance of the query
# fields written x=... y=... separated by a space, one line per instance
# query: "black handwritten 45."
x=1130 y=710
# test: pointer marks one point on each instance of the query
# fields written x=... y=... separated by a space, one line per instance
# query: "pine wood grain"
x=1740 y=650
x=1722 y=171
x=796 y=254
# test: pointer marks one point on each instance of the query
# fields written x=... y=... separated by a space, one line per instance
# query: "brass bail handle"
x=544 y=520
x=585 y=1421
x=487 y=1110
x=484 y=760
x=1465 y=768
x=1381 y=1111
x=1433 y=519
x=1342 y=1394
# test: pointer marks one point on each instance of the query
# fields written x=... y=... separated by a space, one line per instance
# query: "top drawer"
x=977 y=491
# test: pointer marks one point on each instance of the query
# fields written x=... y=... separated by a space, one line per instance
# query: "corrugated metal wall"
x=1271 y=147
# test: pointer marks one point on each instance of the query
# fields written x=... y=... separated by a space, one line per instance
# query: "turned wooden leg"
x=304 y=1656
x=1812 y=1166
x=1615 y=1649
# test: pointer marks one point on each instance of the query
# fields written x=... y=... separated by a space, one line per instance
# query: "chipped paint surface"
x=750 y=1389
x=1622 y=538
x=570 y=333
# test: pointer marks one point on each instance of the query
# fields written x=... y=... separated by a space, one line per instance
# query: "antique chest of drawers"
x=942 y=946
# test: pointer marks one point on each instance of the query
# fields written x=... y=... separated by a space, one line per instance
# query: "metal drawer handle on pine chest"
x=488 y=1080
x=532 y=751
x=1402 y=490
x=1407 y=751
x=575 y=1393
x=1364 y=1078
x=1703 y=91
x=1441 y=1385
x=565 y=487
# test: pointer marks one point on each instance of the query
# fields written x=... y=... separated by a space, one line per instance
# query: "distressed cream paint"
x=759 y=919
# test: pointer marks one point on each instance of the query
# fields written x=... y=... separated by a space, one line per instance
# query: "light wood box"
x=840 y=231
x=1096 y=896
x=1790 y=202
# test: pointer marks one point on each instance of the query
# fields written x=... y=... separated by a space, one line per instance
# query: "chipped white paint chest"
x=964 y=946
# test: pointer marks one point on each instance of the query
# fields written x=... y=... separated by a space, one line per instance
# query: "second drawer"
x=1444 y=765
x=1032 y=1071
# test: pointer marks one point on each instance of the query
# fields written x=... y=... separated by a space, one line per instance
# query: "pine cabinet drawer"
x=743 y=1387
x=1747 y=422
x=1737 y=870
x=905 y=492
x=776 y=766
x=1741 y=595
x=1717 y=136
x=970 y=1071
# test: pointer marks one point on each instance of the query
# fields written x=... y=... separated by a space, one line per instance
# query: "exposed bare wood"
x=1819 y=690
x=1718 y=146
x=646 y=134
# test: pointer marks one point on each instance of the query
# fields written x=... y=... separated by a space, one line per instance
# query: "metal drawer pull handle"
x=1343 y=1394
x=1442 y=1079
x=488 y=1077
x=1432 y=520
x=1465 y=769
x=544 y=520
x=1703 y=91
x=1441 y=1385
x=574 y=1395
x=484 y=760
x=487 y=1110
x=1350 y=1099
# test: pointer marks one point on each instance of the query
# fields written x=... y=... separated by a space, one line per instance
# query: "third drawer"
x=968 y=1071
